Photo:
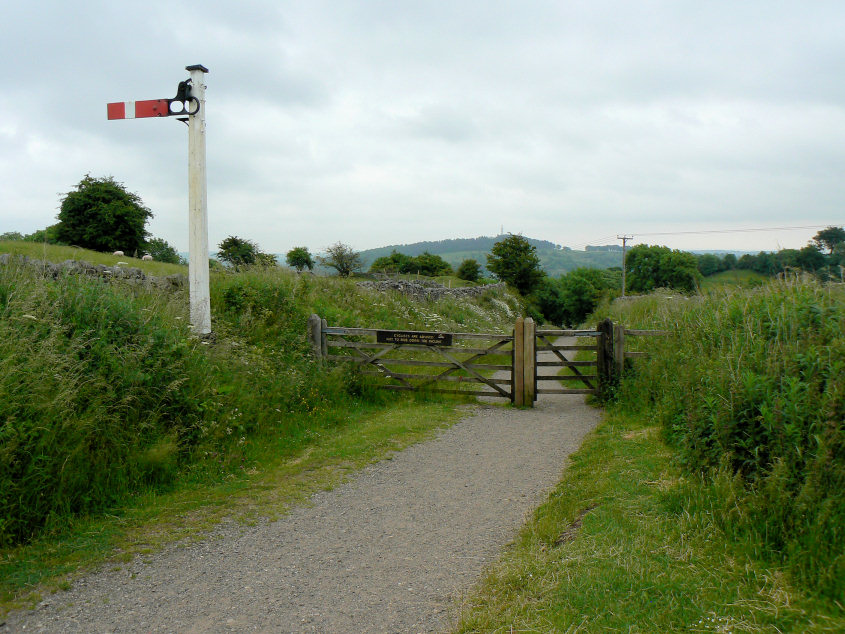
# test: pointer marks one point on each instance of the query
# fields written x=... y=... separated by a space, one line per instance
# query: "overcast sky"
x=385 y=122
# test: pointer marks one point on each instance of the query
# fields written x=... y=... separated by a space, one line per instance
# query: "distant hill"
x=554 y=258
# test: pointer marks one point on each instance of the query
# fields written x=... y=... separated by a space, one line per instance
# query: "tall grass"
x=751 y=393
x=104 y=392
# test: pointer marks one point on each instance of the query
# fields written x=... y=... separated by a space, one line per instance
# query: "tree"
x=162 y=251
x=660 y=267
x=48 y=235
x=342 y=258
x=829 y=238
x=299 y=258
x=469 y=270
x=237 y=252
x=810 y=258
x=428 y=264
x=394 y=263
x=709 y=264
x=11 y=236
x=514 y=261
x=101 y=215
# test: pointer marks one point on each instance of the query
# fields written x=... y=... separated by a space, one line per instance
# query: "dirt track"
x=392 y=550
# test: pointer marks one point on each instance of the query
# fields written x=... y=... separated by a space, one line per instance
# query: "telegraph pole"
x=624 y=243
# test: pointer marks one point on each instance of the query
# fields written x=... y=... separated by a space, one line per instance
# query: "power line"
x=679 y=233
x=702 y=231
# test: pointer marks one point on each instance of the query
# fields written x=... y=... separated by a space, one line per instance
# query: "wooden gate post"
x=604 y=355
x=619 y=349
x=529 y=368
x=518 y=372
x=315 y=336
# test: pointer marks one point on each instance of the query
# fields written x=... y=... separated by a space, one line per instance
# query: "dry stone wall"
x=427 y=290
x=126 y=274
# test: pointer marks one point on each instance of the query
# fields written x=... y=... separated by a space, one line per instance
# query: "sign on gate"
x=414 y=337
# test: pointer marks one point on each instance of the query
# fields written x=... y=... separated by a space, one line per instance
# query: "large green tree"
x=101 y=215
x=829 y=238
x=300 y=258
x=429 y=264
x=342 y=258
x=514 y=261
x=394 y=263
x=568 y=300
x=238 y=252
x=651 y=267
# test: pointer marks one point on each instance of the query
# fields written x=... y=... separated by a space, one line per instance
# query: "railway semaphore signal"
x=189 y=106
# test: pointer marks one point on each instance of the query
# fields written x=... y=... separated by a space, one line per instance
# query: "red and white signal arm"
x=139 y=109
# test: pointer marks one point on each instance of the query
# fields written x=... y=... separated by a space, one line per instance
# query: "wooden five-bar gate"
x=517 y=366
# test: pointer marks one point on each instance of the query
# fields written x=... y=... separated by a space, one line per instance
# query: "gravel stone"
x=392 y=550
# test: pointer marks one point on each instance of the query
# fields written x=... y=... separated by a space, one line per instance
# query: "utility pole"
x=624 y=244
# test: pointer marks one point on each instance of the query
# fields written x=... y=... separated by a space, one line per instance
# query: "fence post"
x=315 y=336
x=324 y=340
x=518 y=372
x=529 y=367
x=604 y=354
x=619 y=349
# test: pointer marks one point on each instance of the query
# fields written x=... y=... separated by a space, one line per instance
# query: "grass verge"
x=626 y=543
x=195 y=505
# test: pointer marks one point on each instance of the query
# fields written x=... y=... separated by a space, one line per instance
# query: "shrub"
x=469 y=270
x=753 y=390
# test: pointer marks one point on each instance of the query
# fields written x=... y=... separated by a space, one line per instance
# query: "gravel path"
x=392 y=550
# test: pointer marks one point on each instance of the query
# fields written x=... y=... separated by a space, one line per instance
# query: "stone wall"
x=428 y=290
x=126 y=274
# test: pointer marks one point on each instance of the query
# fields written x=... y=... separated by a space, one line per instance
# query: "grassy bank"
x=619 y=547
x=712 y=498
x=106 y=398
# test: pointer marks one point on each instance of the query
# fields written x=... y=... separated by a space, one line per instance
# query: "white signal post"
x=198 y=209
x=189 y=105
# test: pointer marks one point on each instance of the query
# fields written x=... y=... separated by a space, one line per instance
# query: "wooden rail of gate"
x=590 y=376
x=371 y=349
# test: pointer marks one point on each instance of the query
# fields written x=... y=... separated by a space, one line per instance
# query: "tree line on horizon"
x=100 y=214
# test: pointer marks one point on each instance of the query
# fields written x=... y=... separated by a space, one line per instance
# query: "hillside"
x=554 y=258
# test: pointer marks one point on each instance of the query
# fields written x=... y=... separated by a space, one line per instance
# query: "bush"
x=753 y=390
x=469 y=270
x=162 y=251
